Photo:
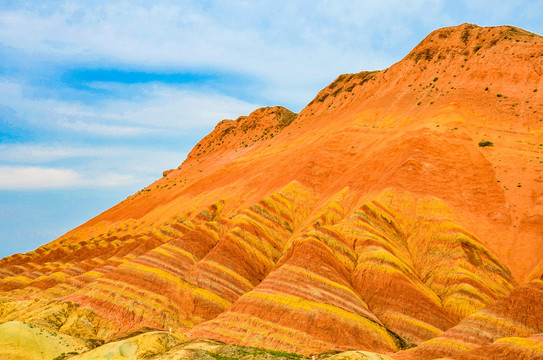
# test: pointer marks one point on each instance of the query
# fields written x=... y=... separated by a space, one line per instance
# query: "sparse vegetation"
x=235 y=352
x=426 y=54
x=465 y=36
x=66 y=355
x=485 y=143
x=321 y=98
x=476 y=48
x=221 y=357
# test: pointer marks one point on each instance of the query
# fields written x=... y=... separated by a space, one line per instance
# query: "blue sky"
x=98 y=98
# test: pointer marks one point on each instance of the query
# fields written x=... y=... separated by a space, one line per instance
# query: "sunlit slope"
x=22 y=341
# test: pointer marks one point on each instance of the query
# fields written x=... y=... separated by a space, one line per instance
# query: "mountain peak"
x=262 y=124
x=469 y=39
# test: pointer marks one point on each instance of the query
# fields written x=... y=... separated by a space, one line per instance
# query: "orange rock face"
x=400 y=212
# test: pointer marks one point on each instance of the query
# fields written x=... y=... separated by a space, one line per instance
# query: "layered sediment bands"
x=518 y=348
x=427 y=259
x=63 y=316
x=148 y=290
x=92 y=258
x=362 y=273
x=306 y=305
x=193 y=276
x=537 y=273
x=296 y=273
x=504 y=326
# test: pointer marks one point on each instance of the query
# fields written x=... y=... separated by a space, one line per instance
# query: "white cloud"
x=101 y=129
x=40 y=153
x=293 y=47
x=17 y=178
x=156 y=109
x=169 y=107
x=82 y=166
x=40 y=178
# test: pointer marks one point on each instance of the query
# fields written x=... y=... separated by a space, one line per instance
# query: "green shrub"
x=465 y=36
x=65 y=356
x=485 y=143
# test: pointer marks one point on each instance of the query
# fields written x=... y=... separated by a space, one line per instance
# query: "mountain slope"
x=375 y=219
x=507 y=326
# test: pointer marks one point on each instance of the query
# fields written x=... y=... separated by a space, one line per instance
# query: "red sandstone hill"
x=376 y=219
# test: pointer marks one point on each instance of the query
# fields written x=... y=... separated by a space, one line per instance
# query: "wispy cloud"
x=168 y=32
x=91 y=127
x=43 y=166
x=12 y=178
x=40 y=153
x=157 y=108
x=39 y=178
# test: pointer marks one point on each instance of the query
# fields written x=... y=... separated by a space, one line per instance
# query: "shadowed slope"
x=503 y=326
x=518 y=348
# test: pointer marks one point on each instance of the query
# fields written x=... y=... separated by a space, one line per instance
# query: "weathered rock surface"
x=24 y=341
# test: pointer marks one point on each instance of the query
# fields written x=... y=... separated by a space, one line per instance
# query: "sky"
x=97 y=98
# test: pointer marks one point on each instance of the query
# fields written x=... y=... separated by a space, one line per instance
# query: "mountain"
x=399 y=213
